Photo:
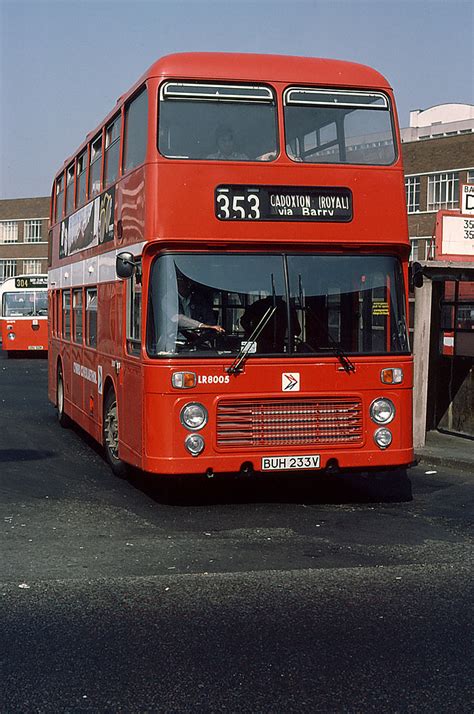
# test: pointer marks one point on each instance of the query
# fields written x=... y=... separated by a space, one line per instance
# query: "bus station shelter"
x=443 y=346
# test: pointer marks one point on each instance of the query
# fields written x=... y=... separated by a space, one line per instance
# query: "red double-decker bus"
x=24 y=314
x=228 y=279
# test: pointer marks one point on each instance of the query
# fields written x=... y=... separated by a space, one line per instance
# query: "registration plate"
x=287 y=463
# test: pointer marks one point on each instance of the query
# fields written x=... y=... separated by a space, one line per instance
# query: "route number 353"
x=235 y=207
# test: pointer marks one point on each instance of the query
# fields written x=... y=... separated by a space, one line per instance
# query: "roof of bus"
x=266 y=68
x=242 y=67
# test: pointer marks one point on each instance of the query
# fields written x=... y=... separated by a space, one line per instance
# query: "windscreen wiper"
x=236 y=367
x=335 y=346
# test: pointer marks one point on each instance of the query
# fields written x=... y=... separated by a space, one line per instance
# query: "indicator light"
x=183 y=380
x=391 y=375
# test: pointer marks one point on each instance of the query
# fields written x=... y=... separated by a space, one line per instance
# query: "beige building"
x=24 y=225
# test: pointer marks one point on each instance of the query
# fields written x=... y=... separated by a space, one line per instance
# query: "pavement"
x=450 y=450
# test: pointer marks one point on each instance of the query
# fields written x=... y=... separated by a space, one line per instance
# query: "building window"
x=31 y=267
x=443 y=191
x=470 y=176
x=7 y=269
x=33 y=231
x=412 y=188
x=414 y=249
x=8 y=231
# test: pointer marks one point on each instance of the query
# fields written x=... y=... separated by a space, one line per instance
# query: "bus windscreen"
x=212 y=305
x=25 y=304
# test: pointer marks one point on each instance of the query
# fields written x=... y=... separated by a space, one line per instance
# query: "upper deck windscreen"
x=338 y=126
x=216 y=121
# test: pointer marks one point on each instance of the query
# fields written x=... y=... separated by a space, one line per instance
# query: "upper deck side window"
x=59 y=202
x=339 y=126
x=95 y=168
x=219 y=122
x=112 y=150
x=135 y=132
x=81 y=166
x=70 y=188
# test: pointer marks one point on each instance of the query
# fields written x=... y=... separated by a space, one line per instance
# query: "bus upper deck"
x=314 y=142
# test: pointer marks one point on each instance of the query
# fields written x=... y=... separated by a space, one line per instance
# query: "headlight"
x=11 y=335
x=194 y=444
x=383 y=438
x=382 y=411
x=193 y=416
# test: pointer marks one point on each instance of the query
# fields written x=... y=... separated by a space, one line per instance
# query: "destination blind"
x=283 y=203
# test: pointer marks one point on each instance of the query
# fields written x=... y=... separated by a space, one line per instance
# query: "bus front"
x=24 y=311
x=275 y=287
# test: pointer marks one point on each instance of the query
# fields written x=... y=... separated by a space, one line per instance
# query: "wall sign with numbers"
x=283 y=203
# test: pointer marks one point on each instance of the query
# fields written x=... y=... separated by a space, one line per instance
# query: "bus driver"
x=195 y=311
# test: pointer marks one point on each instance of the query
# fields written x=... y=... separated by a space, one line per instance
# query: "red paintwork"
x=171 y=204
x=28 y=336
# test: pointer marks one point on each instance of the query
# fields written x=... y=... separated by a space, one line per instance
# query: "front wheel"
x=110 y=430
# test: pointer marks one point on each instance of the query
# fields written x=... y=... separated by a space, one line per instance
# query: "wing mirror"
x=417 y=275
x=125 y=265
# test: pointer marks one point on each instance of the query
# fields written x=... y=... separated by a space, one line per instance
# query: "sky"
x=64 y=63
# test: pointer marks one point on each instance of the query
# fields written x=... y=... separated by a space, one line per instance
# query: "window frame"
x=446 y=182
x=81 y=178
x=133 y=342
x=66 y=330
x=70 y=192
x=413 y=193
x=116 y=121
x=91 y=336
x=36 y=267
x=11 y=227
x=59 y=197
x=96 y=154
x=37 y=224
x=125 y=168
x=268 y=96
x=11 y=264
x=77 y=311
x=305 y=89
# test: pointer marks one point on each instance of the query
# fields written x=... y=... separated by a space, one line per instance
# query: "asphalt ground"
x=273 y=595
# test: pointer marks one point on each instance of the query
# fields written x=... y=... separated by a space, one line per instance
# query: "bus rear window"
x=217 y=122
x=327 y=126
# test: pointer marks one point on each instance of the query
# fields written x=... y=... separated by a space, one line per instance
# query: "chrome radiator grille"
x=292 y=422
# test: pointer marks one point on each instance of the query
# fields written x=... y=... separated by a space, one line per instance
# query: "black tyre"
x=63 y=418
x=110 y=430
